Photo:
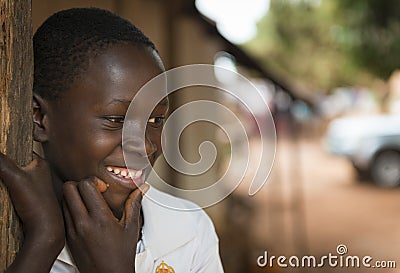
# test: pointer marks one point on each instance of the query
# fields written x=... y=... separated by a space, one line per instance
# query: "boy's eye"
x=114 y=122
x=116 y=119
x=156 y=121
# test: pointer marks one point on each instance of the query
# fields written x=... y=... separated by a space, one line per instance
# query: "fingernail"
x=101 y=185
x=144 y=188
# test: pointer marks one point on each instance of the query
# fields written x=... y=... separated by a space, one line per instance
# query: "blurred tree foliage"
x=374 y=30
x=320 y=45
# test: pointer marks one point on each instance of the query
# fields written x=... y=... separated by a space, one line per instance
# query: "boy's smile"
x=84 y=127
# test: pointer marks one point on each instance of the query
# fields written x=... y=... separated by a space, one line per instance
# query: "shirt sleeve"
x=206 y=258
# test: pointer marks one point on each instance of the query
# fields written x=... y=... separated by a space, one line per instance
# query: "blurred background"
x=330 y=73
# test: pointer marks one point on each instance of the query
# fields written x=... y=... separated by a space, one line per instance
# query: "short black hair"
x=65 y=42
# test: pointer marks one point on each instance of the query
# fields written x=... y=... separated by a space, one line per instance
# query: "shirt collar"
x=65 y=256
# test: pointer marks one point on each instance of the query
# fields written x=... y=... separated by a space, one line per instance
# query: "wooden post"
x=16 y=74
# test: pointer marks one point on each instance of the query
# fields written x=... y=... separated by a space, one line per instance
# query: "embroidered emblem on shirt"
x=164 y=268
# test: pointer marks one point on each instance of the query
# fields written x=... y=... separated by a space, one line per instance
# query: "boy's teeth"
x=126 y=173
x=136 y=174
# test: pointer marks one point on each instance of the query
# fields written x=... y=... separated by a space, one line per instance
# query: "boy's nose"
x=135 y=146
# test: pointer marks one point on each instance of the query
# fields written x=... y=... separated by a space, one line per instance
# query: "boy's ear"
x=40 y=119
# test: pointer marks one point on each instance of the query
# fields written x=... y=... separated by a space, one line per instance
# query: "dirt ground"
x=311 y=204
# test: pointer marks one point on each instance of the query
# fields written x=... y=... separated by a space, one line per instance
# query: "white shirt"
x=183 y=240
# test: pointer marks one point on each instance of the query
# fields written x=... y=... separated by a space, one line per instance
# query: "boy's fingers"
x=74 y=202
x=69 y=224
x=10 y=173
x=132 y=211
x=37 y=163
x=94 y=201
x=100 y=185
x=132 y=208
x=31 y=165
x=38 y=159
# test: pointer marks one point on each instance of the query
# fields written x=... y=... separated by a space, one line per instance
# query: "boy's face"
x=85 y=125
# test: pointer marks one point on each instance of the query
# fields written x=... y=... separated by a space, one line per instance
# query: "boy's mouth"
x=126 y=177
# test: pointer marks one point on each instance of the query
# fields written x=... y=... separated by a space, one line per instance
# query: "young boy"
x=88 y=66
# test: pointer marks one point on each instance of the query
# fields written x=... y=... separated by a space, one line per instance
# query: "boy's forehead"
x=117 y=75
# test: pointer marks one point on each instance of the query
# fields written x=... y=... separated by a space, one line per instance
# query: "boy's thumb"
x=132 y=208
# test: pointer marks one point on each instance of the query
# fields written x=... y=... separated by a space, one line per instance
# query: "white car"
x=372 y=143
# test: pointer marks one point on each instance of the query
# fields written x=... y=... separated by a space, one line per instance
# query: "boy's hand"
x=98 y=241
x=32 y=194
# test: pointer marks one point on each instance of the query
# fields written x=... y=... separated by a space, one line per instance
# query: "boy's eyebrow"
x=116 y=101
x=165 y=101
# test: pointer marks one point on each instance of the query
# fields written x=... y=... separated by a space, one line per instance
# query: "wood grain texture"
x=16 y=64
